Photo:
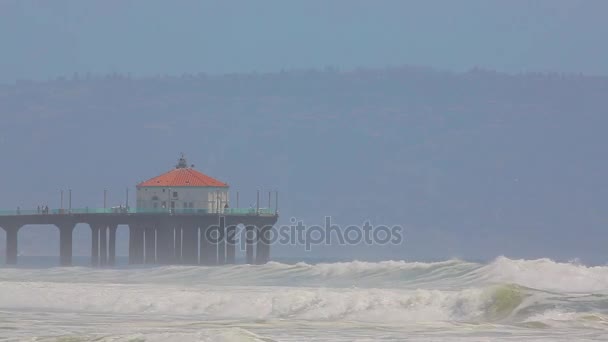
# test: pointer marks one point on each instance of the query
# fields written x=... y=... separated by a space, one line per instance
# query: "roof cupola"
x=182 y=163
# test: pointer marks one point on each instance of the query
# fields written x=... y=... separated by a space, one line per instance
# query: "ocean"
x=452 y=300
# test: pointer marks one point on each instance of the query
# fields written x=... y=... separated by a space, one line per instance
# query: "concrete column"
x=165 y=244
x=136 y=244
x=112 y=245
x=208 y=245
x=131 y=244
x=139 y=244
x=250 y=241
x=150 y=245
x=268 y=235
x=178 y=244
x=190 y=244
x=263 y=246
x=65 y=243
x=231 y=245
x=103 y=245
x=11 y=244
x=221 y=244
x=94 y=245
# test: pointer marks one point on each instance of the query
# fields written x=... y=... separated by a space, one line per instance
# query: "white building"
x=182 y=189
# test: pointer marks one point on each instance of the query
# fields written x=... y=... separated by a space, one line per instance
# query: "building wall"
x=208 y=198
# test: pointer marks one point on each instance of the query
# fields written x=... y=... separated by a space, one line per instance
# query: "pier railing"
x=127 y=211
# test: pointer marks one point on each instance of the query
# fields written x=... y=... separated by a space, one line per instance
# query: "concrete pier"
x=164 y=238
x=182 y=216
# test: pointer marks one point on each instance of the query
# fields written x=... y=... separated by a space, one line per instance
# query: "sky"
x=49 y=39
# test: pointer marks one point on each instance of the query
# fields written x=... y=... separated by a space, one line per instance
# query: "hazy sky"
x=42 y=39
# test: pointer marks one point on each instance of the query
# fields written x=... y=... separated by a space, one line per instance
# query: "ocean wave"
x=369 y=305
x=541 y=274
x=495 y=303
x=546 y=274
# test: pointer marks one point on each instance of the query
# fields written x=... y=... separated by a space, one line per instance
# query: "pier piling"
x=165 y=243
x=208 y=249
x=231 y=245
x=150 y=245
x=94 y=245
x=136 y=244
x=190 y=244
x=263 y=245
x=250 y=239
x=178 y=243
x=103 y=245
x=221 y=244
x=12 y=232
x=112 y=245
x=65 y=242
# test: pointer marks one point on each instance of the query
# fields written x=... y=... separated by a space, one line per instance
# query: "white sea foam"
x=257 y=303
x=283 y=301
x=548 y=275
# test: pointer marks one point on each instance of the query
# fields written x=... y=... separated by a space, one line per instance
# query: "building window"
x=174 y=194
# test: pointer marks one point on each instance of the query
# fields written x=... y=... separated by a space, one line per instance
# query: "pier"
x=170 y=237
x=182 y=217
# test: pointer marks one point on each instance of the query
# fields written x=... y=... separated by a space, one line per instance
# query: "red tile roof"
x=183 y=177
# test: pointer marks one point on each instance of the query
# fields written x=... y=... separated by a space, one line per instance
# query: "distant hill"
x=474 y=164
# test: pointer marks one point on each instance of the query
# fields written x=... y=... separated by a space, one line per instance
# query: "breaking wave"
x=522 y=292
x=541 y=274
